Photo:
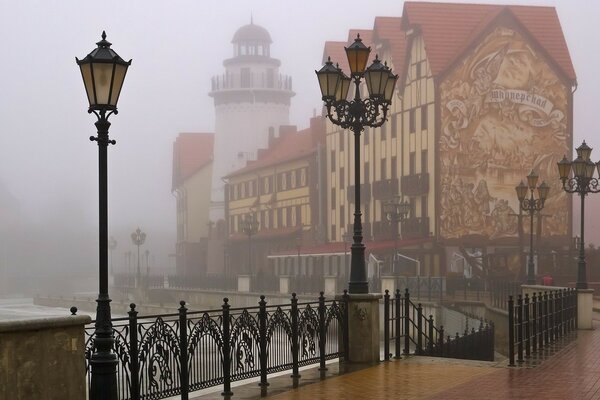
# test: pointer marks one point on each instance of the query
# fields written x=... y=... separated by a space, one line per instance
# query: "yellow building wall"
x=193 y=205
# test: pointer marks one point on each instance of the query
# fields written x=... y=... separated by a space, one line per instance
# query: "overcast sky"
x=46 y=159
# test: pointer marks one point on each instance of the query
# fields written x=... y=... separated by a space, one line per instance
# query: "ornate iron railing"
x=536 y=322
x=174 y=354
x=406 y=325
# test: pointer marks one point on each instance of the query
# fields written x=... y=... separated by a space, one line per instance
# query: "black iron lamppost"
x=396 y=211
x=112 y=245
x=249 y=226
x=103 y=73
x=583 y=182
x=531 y=205
x=138 y=238
x=356 y=114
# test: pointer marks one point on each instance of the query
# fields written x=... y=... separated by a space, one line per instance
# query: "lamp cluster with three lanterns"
x=577 y=176
x=532 y=205
x=356 y=114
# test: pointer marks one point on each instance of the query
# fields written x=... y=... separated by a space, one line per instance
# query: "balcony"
x=365 y=193
x=415 y=227
x=382 y=230
x=415 y=185
x=385 y=189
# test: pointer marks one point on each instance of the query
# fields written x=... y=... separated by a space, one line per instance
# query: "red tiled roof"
x=449 y=28
x=288 y=146
x=191 y=152
x=389 y=29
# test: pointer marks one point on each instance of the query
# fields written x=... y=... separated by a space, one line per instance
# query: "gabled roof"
x=389 y=30
x=289 y=146
x=449 y=28
x=191 y=153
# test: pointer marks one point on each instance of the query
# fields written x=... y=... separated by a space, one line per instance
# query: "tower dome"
x=252 y=33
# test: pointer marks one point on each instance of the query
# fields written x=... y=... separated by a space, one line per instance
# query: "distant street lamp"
x=112 y=245
x=396 y=211
x=582 y=182
x=249 y=226
x=355 y=115
x=138 y=238
x=103 y=73
x=531 y=205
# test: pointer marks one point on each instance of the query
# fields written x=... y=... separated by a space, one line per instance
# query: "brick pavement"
x=571 y=371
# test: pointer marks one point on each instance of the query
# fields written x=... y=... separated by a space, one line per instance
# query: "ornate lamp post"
x=356 y=114
x=112 y=245
x=396 y=211
x=138 y=238
x=103 y=73
x=531 y=205
x=581 y=181
x=249 y=226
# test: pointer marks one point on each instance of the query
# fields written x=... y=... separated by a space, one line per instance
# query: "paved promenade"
x=570 y=370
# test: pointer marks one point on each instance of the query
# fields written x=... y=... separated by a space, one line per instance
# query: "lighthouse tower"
x=252 y=99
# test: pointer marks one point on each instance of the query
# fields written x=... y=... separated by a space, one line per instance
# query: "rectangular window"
x=298 y=216
x=333 y=202
x=342 y=178
x=394 y=172
x=332 y=160
x=341 y=140
x=383 y=131
x=288 y=217
x=394 y=119
x=424 y=206
x=288 y=180
x=270 y=219
x=342 y=215
x=254 y=192
x=238 y=194
x=412 y=163
x=424 y=118
x=383 y=169
x=333 y=233
x=411 y=121
x=424 y=162
x=293 y=175
x=418 y=70
x=366 y=135
x=280 y=217
x=413 y=207
x=367 y=172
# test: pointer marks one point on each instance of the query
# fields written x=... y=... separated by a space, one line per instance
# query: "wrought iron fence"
x=173 y=354
x=535 y=323
x=406 y=325
x=500 y=291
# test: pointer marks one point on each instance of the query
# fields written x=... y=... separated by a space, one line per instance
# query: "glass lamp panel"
x=590 y=166
x=532 y=179
x=564 y=168
x=543 y=190
x=521 y=190
x=389 y=87
x=343 y=88
x=358 y=55
x=579 y=167
x=329 y=77
x=102 y=81
x=404 y=208
x=584 y=151
x=117 y=85
x=86 y=73
x=376 y=76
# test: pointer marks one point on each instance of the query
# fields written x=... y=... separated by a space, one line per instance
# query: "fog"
x=48 y=166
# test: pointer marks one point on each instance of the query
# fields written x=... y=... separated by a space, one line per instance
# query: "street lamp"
x=531 y=205
x=396 y=211
x=583 y=182
x=103 y=73
x=355 y=115
x=249 y=226
x=138 y=238
x=112 y=245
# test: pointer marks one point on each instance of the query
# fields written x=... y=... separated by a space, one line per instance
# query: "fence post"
x=226 y=351
x=534 y=322
x=406 y=321
x=398 y=322
x=386 y=325
x=526 y=322
x=560 y=301
x=520 y=329
x=430 y=344
x=295 y=373
x=183 y=351
x=322 y=334
x=441 y=345
x=511 y=331
x=419 y=330
x=465 y=287
x=346 y=327
x=551 y=314
x=262 y=331
x=546 y=319
x=134 y=365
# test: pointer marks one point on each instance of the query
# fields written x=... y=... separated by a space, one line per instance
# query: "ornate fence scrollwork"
x=221 y=346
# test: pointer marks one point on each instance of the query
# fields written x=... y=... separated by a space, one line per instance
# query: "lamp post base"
x=363 y=328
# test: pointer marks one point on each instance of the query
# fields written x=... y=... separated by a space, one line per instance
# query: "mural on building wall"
x=503 y=112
